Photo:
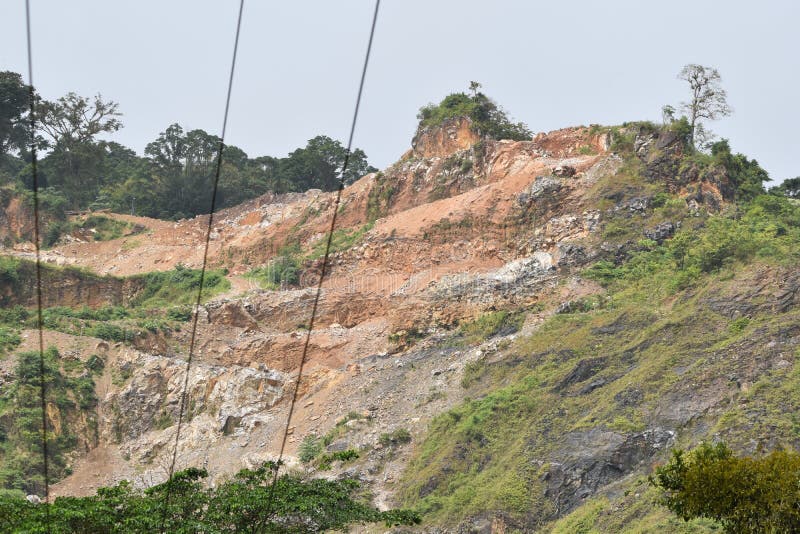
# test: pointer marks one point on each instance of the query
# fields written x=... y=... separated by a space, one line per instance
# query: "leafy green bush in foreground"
x=239 y=505
x=746 y=495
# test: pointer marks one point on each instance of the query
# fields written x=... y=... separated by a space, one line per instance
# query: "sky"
x=549 y=64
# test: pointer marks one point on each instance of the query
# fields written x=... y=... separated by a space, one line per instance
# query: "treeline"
x=172 y=180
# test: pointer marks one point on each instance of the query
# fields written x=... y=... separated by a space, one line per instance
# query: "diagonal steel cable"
x=324 y=269
x=193 y=337
x=37 y=247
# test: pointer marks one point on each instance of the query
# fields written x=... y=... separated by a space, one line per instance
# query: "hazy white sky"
x=549 y=64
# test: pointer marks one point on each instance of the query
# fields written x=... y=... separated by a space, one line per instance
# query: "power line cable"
x=37 y=247
x=324 y=269
x=193 y=336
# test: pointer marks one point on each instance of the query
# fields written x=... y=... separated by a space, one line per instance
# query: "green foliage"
x=491 y=324
x=746 y=495
x=769 y=228
x=652 y=335
x=398 y=436
x=178 y=286
x=174 y=178
x=9 y=340
x=310 y=448
x=283 y=269
x=789 y=187
x=100 y=227
x=404 y=339
x=179 y=313
x=95 y=364
x=67 y=395
x=487 y=118
x=240 y=504
x=342 y=239
x=9 y=271
x=380 y=197
x=325 y=461
x=13 y=112
x=746 y=175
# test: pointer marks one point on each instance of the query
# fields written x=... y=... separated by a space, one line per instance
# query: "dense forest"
x=173 y=179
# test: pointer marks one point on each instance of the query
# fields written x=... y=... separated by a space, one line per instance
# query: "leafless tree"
x=708 y=101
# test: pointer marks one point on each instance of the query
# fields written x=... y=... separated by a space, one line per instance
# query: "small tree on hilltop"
x=708 y=99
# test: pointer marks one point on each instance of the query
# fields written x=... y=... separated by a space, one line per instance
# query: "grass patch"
x=341 y=240
x=178 y=287
x=489 y=325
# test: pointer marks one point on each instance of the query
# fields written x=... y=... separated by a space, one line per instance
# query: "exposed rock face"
x=515 y=282
x=66 y=287
x=16 y=218
x=592 y=459
x=154 y=390
x=662 y=151
x=661 y=232
x=453 y=135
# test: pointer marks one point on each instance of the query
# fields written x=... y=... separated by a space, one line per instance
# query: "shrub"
x=396 y=437
x=488 y=325
x=9 y=340
x=281 y=270
x=746 y=495
x=488 y=119
x=310 y=448
x=178 y=286
x=242 y=504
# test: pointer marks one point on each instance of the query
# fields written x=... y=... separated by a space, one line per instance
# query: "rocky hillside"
x=511 y=335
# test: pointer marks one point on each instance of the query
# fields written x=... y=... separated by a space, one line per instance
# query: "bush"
x=488 y=119
x=396 y=437
x=179 y=286
x=281 y=270
x=310 y=448
x=746 y=495
x=70 y=398
x=9 y=340
x=242 y=504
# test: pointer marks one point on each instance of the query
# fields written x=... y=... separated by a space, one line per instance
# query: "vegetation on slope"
x=746 y=495
x=611 y=365
x=237 y=505
x=99 y=227
x=70 y=398
x=488 y=119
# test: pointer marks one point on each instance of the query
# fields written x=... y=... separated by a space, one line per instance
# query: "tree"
x=708 y=99
x=14 y=103
x=319 y=165
x=667 y=114
x=746 y=175
x=245 y=503
x=473 y=88
x=790 y=188
x=70 y=126
x=746 y=495
x=74 y=119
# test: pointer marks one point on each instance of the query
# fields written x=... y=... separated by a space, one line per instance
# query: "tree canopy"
x=14 y=96
x=245 y=503
x=746 y=495
x=174 y=177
